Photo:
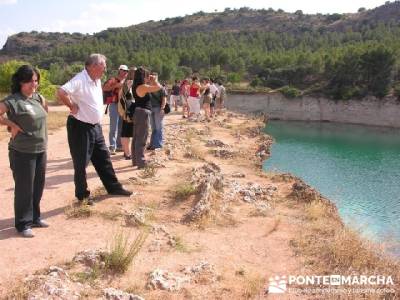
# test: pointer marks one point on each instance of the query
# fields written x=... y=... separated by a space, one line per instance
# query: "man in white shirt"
x=83 y=95
x=214 y=93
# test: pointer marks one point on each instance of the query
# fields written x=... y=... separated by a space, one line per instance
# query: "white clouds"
x=8 y=2
x=97 y=17
x=4 y=34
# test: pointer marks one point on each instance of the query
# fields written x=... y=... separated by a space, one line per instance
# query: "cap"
x=123 y=67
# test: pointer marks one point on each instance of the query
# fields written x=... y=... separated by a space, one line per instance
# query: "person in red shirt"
x=194 y=98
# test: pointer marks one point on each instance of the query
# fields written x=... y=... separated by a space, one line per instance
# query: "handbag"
x=167 y=108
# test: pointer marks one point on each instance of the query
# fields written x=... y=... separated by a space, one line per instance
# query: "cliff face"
x=27 y=44
x=369 y=111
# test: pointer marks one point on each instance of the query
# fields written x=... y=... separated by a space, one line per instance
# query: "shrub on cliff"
x=290 y=92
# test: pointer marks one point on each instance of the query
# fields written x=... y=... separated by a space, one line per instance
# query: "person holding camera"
x=143 y=84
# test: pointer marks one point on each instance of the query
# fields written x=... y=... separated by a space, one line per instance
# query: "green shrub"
x=234 y=77
x=290 y=92
x=7 y=69
x=257 y=81
x=184 y=190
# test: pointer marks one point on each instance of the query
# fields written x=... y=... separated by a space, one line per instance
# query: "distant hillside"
x=340 y=55
x=241 y=20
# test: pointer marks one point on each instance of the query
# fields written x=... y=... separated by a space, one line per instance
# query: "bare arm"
x=5 y=121
x=112 y=84
x=163 y=102
x=143 y=89
x=66 y=100
x=154 y=86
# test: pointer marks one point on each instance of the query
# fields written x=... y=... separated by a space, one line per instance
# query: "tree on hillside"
x=377 y=66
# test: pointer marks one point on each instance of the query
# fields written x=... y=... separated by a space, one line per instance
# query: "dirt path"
x=257 y=246
x=22 y=256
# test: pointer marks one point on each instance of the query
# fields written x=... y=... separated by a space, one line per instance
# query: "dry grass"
x=149 y=171
x=252 y=286
x=89 y=276
x=333 y=248
x=182 y=191
x=317 y=210
x=217 y=216
x=56 y=120
x=78 y=211
x=21 y=290
x=195 y=152
x=180 y=245
x=121 y=252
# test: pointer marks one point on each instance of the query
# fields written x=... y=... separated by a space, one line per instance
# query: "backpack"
x=109 y=96
x=126 y=107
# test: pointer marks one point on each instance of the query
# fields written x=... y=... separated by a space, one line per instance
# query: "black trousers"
x=86 y=143
x=29 y=170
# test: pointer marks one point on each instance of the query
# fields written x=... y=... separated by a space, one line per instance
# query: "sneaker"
x=150 y=148
x=120 y=192
x=27 y=233
x=127 y=157
x=112 y=151
x=119 y=149
x=40 y=224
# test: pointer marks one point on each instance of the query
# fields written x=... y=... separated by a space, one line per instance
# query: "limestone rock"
x=216 y=143
x=88 y=257
x=137 y=217
x=164 y=280
x=114 y=294
x=208 y=179
x=223 y=153
x=238 y=175
x=303 y=192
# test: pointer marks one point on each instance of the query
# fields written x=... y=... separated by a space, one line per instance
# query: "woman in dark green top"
x=26 y=119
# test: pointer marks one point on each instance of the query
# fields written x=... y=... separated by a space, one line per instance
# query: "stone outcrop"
x=368 y=111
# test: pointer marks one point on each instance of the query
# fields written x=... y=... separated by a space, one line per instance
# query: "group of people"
x=135 y=101
x=132 y=112
x=183 y=93
x=192 y=94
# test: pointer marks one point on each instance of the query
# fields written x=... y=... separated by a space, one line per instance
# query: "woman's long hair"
x=24 y=74
x=140 y=77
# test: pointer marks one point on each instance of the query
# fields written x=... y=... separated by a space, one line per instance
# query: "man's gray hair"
x=95 y=59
